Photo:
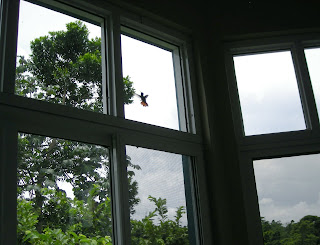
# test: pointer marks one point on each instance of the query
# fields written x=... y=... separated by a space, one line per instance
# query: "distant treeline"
x=304 y=232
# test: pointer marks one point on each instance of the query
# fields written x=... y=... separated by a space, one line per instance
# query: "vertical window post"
x=8 y=44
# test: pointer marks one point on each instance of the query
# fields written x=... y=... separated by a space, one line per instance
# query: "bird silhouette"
x=143 y=99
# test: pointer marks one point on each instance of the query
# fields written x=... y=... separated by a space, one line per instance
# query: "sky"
x=270 y=102
x=268 y=92
x=151 y=70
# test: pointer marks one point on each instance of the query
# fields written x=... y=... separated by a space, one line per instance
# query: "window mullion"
x=234 y=97
x=8 y=187
x=306 y=92
x=104 y=63
x=121 y=215
x=179 y=87
x=9 y=35
x=115 y=73
x=250 y=198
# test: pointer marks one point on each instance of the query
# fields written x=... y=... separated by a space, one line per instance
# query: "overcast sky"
x=287 y=187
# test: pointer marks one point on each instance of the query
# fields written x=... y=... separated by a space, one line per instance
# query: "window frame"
x=108 y=129
x=273 y=145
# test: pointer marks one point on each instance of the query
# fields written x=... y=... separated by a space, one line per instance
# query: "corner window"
x=273 y=86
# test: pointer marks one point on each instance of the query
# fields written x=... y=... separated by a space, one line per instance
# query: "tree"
x=65 y=68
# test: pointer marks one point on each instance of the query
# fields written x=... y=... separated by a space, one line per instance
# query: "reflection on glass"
x=289 y=199
x=313 y=61
x=58 y=58
x=63 y=192
x=157 y=197
x=268 y=92
x=150 y=72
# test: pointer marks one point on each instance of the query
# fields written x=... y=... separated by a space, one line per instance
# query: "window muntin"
x=64 y=192
x=268 y=92
x=313 y=61
x=289 y=197
x=58 y=58
x=161 y=198
x=153 y=71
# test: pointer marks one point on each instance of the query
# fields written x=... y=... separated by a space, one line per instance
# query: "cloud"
x=271 y=210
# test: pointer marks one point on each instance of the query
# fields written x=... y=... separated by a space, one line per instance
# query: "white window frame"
x=274 y=145
x=20 y=114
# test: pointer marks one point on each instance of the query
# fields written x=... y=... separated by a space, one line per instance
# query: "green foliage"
x=155 y=228
x=304 y=232
x=63 y=217
x=58 y=237
x=129 y=90
x=86 y=222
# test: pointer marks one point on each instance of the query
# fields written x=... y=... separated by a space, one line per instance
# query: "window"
x=84 y=153
x=161 y=193
x=154 y=72
x=63 y=191
x=278 y=151
x=268 y=93
x=60 y=61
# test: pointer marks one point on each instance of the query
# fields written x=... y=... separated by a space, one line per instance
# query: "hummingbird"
x=143 y=99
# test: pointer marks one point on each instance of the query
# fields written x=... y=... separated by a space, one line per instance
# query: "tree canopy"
x=65 y=68
x=304 y=232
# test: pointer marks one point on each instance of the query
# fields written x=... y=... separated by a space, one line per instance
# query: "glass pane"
x=150 y=72
x=268 y=92
x=58 y=58
x=289 y=199
x=63 y=192
x=157 y=197
x=313 y=61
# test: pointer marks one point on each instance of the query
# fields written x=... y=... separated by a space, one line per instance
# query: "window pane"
x=313 y=61
x=157 y=197
x=63 y=192
x=289 y=198
x=58 y=58
x=151 y=71
x=268 y=92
